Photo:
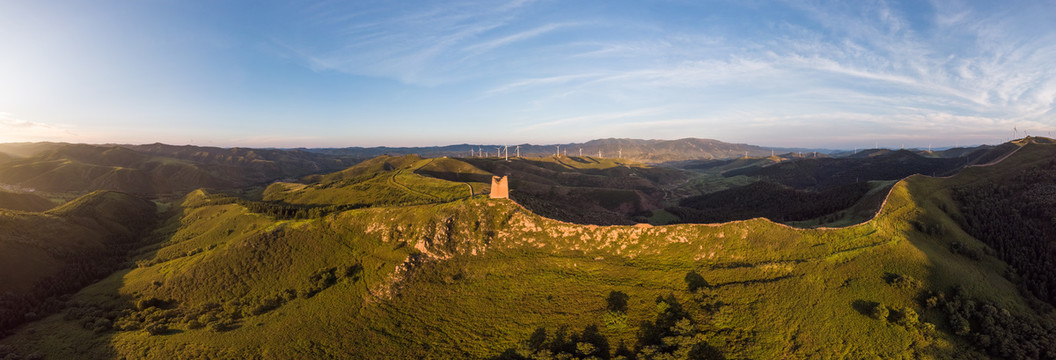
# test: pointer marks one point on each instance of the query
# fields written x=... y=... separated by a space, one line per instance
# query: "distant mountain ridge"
x=152 y=169
x=650 y=151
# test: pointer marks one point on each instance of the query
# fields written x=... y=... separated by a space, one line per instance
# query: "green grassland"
x=425 y=271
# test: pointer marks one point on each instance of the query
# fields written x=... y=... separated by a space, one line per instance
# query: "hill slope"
x=477 y=278
x=44 y=255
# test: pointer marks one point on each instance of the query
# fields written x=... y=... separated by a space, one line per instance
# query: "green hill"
x=381 y=181
x=479 y=278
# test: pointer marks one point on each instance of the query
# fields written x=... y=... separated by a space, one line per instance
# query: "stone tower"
x=500 y=187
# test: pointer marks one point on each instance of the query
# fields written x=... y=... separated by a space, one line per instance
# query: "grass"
x=469 y=278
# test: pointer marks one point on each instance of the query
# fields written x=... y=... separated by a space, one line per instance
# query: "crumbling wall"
x=500 y=187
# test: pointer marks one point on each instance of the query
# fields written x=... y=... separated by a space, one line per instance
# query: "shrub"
x=695 y=282
x=878 y=311
x=156 y=328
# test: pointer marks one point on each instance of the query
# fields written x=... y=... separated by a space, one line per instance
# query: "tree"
x=617 y=301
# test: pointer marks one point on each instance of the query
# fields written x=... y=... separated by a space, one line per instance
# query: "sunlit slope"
x=382 y=181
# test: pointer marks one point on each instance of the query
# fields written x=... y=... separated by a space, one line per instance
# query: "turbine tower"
x=518 y=151
x=558 y=150
x=507 y=148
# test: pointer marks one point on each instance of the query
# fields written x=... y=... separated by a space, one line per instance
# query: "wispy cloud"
x=509 y=39
x=595 y=118
x=14 y=129
x=430 y=46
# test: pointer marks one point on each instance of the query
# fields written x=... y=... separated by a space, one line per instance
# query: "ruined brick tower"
x=500 y=187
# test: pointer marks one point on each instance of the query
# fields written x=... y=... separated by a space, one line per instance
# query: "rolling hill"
x=154 y=170
x=479 y=278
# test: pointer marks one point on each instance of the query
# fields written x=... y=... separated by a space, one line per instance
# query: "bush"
x=156 y=328
x=695 y=282
x=144 y=304
x=878 y=311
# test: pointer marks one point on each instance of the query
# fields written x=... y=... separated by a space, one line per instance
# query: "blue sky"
x=836 y=74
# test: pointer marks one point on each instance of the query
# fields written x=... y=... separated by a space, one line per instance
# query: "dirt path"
x=392 y=179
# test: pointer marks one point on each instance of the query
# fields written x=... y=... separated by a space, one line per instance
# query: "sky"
x=805 y=73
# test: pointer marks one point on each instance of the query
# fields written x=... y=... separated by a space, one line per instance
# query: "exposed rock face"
x=500 y=187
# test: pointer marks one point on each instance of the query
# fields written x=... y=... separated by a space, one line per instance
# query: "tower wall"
x=500 y=187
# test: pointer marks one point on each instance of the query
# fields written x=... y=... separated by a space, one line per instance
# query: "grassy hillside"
x=380 y=181
x=477 y=278
x=46 y=255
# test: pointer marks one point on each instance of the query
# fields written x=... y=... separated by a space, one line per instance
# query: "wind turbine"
x=558 y=150
x=620 y=156
x=507 y=148
x=580 y=152
x=518 y=151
